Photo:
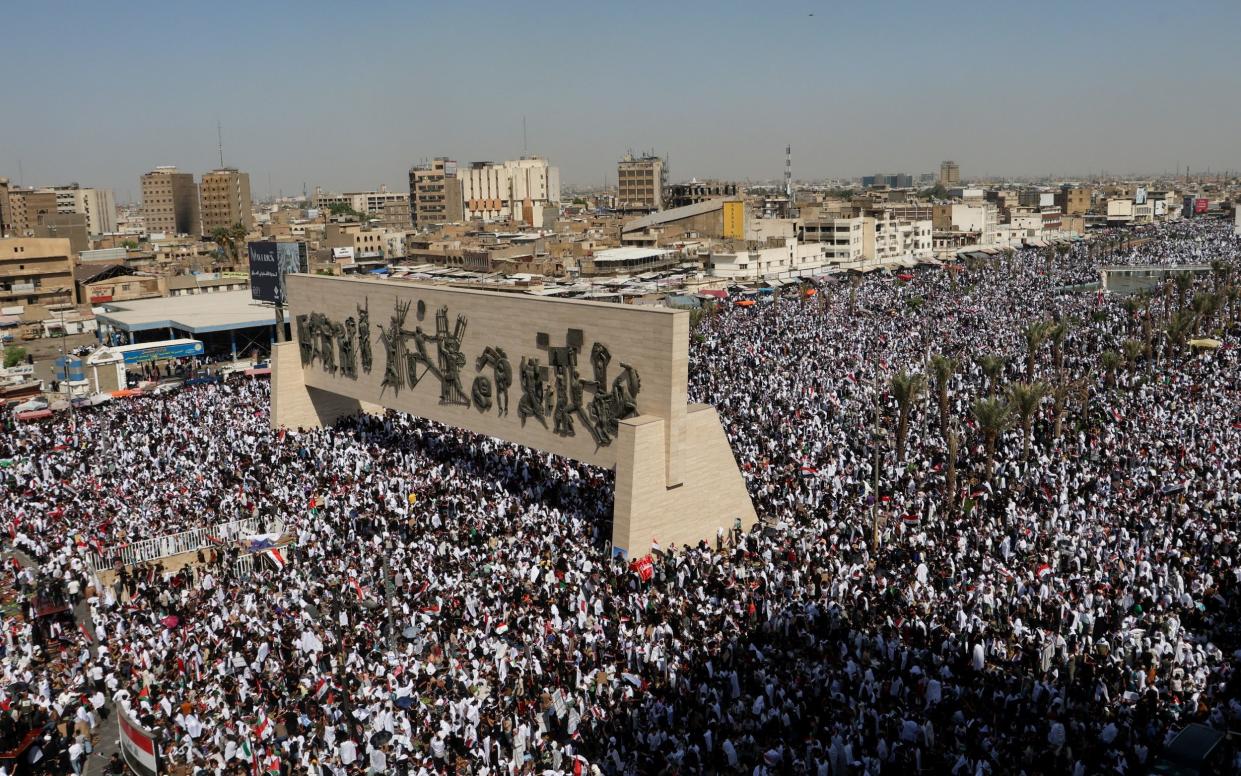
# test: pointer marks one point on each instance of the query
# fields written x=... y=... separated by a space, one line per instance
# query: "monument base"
x=647 y=508
x=294 y=405
x=710 y=496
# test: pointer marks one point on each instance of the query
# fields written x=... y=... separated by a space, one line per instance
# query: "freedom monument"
x=600 y=383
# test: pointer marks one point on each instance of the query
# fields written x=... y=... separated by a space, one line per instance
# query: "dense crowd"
x=1044 y=585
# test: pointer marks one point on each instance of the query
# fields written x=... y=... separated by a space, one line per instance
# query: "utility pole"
x=64 y=360
x=874 y=504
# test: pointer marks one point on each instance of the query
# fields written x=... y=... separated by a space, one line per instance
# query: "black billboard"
x=270 y=261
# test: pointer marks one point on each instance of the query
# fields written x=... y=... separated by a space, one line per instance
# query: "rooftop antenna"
x=219 y=136
x=788 y=171
x=525 y=147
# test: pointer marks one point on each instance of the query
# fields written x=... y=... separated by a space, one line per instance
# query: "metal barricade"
x=186 y=541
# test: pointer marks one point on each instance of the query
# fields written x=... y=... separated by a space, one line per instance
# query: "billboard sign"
x=270 y=261
x=1200 y=206
x=1161 y=207
x=137 y=746
x=1139 y=196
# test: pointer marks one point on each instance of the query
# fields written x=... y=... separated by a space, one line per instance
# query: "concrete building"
x=949 y=173
x=754 y=261
x=974 y=223
x=26 y=209
x=98 y=205
x=170 y=202
x=224 y=200
x=373 y=204
x=694 y=192
x=71 y=226
x=640 y=183
x=36 y=271
x=5 y=215
x=1073 y=200
x=526 y=190
x=844 y=237
x=435 y=194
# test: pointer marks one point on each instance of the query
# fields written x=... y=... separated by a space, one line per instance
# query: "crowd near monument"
x=969 y=519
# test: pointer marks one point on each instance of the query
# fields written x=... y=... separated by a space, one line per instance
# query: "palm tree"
x=1024 y=399
x=1059 y=404
x=906 y=389
x=992 y=417
x=1057 y=334
x=220 y=237
x=953 y=442
x=1183 y=283
x=855 y=280
x=1133 y=350
x=1035 y=334
x=992 y=367
x=1180 y=327
x=1110 y=361
x=943 y=367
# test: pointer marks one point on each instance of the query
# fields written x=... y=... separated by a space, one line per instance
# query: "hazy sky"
x=348 y=95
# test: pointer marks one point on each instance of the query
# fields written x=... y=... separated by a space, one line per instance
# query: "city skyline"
x=312 y=95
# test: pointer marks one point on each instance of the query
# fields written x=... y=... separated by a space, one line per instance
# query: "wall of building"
x=36 y=271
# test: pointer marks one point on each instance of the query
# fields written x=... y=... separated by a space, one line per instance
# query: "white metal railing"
x=185 y=541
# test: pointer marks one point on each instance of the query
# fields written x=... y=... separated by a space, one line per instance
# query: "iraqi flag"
x=357 y=588
x=911 y=520
x=502 y=629
x=276 y=556
x=1043 y=571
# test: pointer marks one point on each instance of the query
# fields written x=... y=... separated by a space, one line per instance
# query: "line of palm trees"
x=1018 y=405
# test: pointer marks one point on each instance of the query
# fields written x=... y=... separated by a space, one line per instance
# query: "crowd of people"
x=991 y=585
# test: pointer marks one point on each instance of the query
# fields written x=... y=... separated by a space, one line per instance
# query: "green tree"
x=1035 y=335
x=1057 y=334
x=14 y=356
x=906 y=389
x=952 y=444
x=992 y=417
x=1133 y=350
x=992 y=367
x=1110 y=360
x=1025 y=399
x=342 y=209
x=943 y=367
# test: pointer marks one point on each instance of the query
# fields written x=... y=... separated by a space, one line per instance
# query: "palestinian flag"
x=1043 y=570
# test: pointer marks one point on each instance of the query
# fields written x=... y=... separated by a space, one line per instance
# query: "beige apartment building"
x=170 y=202
x=640 y=183
x=435 y=194
x=1074 y=201
x=98 y=205
x=27 y=207
x=36 y=271
x=224 y=200
x=949 y=173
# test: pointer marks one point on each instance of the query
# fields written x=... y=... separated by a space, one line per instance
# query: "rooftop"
x=196 y=313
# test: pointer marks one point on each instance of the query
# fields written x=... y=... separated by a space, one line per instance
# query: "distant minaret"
x=788 y=172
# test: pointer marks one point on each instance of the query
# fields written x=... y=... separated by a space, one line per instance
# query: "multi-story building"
x=373 y=204
x=1073 y=200
x=949 y=173
x=98 y=205
x=224 y=200
x=694 y=192
x=36 y=271
x=5 y=215
x=758 y=261
x=27 y=208
x=640 y=183
x=435 y=194
x=844 y=237
x=170 y=202
x=525 y=190
x=964 y=223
